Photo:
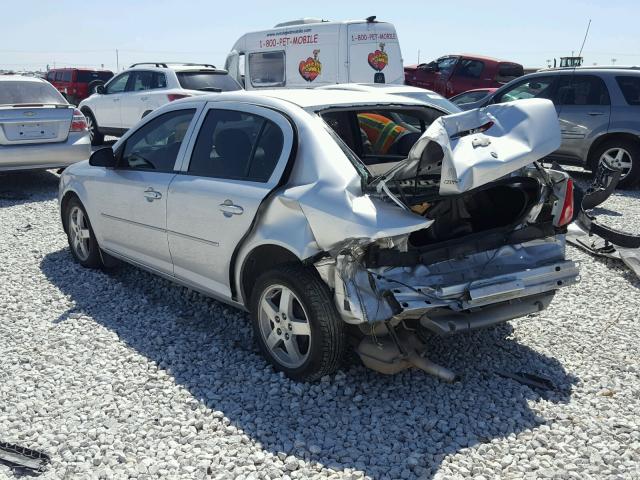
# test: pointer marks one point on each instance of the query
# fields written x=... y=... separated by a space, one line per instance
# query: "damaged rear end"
x=489 y=246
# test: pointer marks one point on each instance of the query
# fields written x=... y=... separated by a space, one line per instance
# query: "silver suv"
x=599 y=112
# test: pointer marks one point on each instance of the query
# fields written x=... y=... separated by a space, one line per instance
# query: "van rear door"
x=374 y=53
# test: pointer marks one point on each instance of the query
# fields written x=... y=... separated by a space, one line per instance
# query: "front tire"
x=621 y=154
x=82 y=240
x=296 y=324
x=97 y=138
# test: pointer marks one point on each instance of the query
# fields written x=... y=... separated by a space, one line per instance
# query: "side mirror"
x=100 y=89
x=103 y=158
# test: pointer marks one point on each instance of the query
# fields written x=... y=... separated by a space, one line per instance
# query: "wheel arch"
x=597 y=143
x=64 y=201
x=260 y=259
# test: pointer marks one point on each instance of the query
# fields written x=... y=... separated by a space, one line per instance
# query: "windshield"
x=432 y=99
x=19 y=92
x=212 y=81
x=379 y=137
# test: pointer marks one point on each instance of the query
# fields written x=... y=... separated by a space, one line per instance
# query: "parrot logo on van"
x=378 y=59
x=311 y=67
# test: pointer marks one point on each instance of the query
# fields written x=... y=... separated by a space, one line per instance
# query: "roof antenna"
x=575 y=66
x=371 y=19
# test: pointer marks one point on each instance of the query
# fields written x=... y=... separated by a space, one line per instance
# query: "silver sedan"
x=38 y=127
x=334 y=214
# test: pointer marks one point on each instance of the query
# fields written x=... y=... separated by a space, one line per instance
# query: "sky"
x=37 y=33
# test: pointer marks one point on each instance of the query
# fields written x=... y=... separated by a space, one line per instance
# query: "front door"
x=132 y=198
x=106 y=107
x=584 y=109
x=238 y=158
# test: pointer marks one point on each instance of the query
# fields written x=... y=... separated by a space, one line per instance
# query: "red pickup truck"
x=454 y=74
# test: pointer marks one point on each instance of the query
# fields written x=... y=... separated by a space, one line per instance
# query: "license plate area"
x=34 y=131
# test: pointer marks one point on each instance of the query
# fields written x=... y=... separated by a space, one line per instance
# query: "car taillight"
x=566 y=214
x=78 y=122
x=176 y=96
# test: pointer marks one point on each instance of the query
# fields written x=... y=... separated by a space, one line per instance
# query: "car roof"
x=389 y=88
x=178 y=67
x=591 y=70
x=310 y=99
x=23 y=78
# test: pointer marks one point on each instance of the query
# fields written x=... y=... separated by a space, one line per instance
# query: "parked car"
x=76 y=84
x=471 y=96
x=293 y=205
x=599 y=112
x=454 y=74
x=427 y=96
x=134 y=93
x=312 y=52
x=38 y=127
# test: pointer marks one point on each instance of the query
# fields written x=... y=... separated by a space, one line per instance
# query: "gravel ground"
x=124 y=375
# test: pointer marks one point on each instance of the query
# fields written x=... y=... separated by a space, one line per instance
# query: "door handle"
x=595 y=114
x=144 y=98
x=150 y=194
x=116 y=99
x=228 y=208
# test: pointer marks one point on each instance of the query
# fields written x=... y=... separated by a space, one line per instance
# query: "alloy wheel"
x=284 y=326
x=618 y=158
x=79 y=233
x=91 y=126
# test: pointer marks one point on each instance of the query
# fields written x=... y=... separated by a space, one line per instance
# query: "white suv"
x=128 y=97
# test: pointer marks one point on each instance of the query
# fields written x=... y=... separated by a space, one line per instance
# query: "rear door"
x=137 y=100
x=584 y=110
x=235 y=160
x=132 y=199
x=374 y=53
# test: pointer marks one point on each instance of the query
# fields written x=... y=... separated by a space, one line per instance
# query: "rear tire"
x=97 y=138
x=623 y=154
x=296 y=324
x=82 y=241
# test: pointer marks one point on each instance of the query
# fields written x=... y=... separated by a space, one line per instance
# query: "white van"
x=312 y=52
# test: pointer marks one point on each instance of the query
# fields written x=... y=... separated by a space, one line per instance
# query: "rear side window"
x=155 y=146
x=236 y=145
x=266 y=69
x=208 y=81
x=67 y=75
x=58 y=76
x=630 y=88
x=469 y=68
x=581 y=90
x=508 y=71
x=14 y=93
x=142 y=80
x=159 y=80
x=85 y=76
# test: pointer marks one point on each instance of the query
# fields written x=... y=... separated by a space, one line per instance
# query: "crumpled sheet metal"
x=518 y=134
x=600 y=247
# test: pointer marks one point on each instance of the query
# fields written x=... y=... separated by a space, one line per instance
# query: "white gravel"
x=124 y=375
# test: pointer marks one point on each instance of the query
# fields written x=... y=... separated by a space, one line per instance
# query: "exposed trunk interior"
x=498 y=205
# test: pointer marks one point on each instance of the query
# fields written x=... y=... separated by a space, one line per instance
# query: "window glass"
x=87 y=76
x=266 y=69
x=538 y=87
x=581 y=90
x=159 y=80
x=236 y=145
x=58 y=76
x=66 y=75
x=445 y=65
x=207 y=81
x=469 y=68
x=509 y=71
x=470 y=97
x=380 y=136
x=155 y=145
x=51 y=76
x=630 y=88
x=142 y=80
x=16 y=92
x=118 y=84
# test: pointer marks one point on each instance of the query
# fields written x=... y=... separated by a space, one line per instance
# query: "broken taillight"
x=566 y=214
x=78 y=122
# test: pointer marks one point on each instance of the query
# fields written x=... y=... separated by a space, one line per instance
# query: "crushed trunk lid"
x=473 y=148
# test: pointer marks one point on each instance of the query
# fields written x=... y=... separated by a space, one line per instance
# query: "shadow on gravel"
x=398 y=426
x=18 y=188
